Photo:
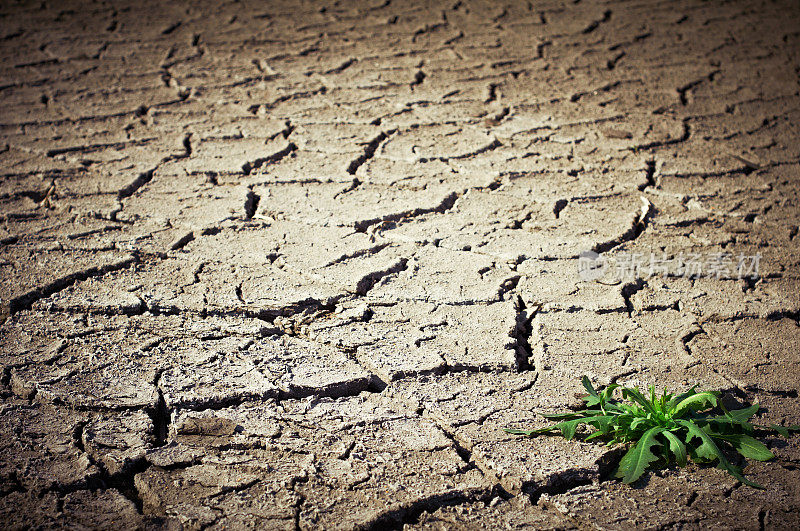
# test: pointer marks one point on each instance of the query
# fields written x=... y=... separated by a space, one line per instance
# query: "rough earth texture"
x=296 y=264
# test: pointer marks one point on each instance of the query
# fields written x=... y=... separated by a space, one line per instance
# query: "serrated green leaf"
x=678 y=398
x=587 y=384
x=736 y=418
x=592 y=399
x=569 y=427
x=748 y=446
x=602 y=422
x=723 y=422
x=664 y=400
x=634 y=463
x=595 y=435
x=695 y=402
x=709 y=450
x=608 y=392
x=677 y=447
x=565 y=416
x=636 y=395
x=784 y=430
x=529 y=433
x=742 y=416
x=612 y=407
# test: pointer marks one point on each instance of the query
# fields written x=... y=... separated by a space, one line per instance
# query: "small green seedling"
x=693 y=424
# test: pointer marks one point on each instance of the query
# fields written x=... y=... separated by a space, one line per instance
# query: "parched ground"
x=296 y=264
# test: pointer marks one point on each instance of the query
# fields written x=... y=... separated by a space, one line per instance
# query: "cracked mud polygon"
x=294 y=265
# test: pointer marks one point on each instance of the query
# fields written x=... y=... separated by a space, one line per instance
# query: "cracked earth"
x=295 y=265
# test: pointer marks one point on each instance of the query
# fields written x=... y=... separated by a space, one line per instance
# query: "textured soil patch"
x=296 y=264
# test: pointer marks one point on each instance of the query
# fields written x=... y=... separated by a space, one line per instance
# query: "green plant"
x=693 y=424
